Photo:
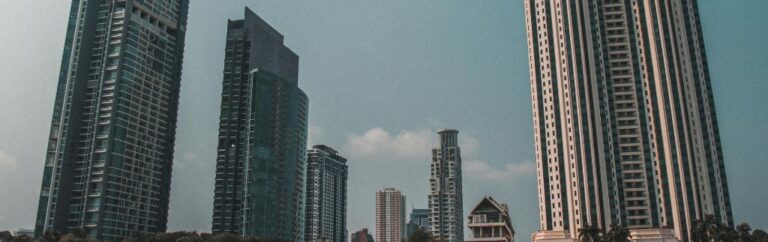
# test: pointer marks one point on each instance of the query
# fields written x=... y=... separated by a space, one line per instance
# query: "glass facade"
x=261 y=162
x=108 y=162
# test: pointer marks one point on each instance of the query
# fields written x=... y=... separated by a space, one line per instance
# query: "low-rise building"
x=489 y=221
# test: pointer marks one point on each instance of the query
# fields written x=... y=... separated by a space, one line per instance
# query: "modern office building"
x=445 y=196
x=419 y=219
x=326 y=202
x=489 y=221
x=624 y=118
x=390 y=215
x=261 y=160
x=361 y=236
x=110 y=148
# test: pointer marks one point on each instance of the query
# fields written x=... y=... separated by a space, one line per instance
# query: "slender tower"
x=326 y=213
x=108 y=163
x=261 y=158
x=624 y=118
x=390 y=215
x=445 y=196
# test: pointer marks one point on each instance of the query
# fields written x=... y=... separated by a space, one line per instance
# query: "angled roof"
x=490 y=202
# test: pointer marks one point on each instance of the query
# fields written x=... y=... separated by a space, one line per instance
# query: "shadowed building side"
x=261 y=160
x=108 y=162
x=326 y=212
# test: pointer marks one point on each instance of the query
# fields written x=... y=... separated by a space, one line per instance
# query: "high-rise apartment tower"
x=445 y=196
x=390 y=215
x=624 y=118
x=261 y=158
x=326 y=213
x=110 y=149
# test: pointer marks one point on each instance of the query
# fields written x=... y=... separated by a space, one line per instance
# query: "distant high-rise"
x=390 y=215
x=361 y=236
x=624 y=118
x=110 y=148
x=262 y=136
x=489 y=221
x=419 y=219
x=445 y=196
x=326 y=213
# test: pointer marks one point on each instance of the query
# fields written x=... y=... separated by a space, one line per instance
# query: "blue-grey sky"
x=382 y=77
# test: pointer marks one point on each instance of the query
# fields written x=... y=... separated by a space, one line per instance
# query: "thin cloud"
x=7 y=161
x=484 y=171
x=376 y=142
x=406 y=145
x=314 y=134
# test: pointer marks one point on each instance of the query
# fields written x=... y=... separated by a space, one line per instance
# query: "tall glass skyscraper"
x=326 y=213
x=110 y=150
x=445 y=196
x=261 y=158
x=624 y=118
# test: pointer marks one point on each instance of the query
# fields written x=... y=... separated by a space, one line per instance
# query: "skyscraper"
x=390 y=215
x=445 y=196
x=262 y=136
x=624 y=118
x=326 y=213
x=110 y=149
x=419 y=219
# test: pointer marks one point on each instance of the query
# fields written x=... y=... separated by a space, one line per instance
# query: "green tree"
x=50 y=236
x=758 y=235
x=420 y=235
x=590 y=233
x=743 y=231
x=5 y=235
x=618 y=233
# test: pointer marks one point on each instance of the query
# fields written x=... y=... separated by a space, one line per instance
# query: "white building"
x=445 y=196
x=624 y=119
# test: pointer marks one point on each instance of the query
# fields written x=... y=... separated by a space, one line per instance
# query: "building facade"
x=624 y=118
x=445 y=196
x=260 y=181
x=419 y=219
x=326 y=203
x=110 y=150
x=390 y=215
x=489 y=221
x=361 y=236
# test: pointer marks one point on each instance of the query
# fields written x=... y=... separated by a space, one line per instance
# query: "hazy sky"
x=382 y=77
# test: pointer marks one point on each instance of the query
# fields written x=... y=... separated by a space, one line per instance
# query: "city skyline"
x=358 y=132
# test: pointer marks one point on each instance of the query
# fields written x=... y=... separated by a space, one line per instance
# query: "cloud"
x=185 y=159
x=484 y=171
x=406 y=145
x=376 y=142
x=314 y=134
x=7 y=161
